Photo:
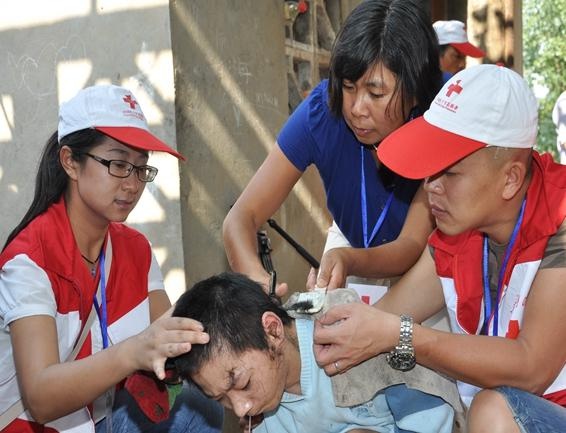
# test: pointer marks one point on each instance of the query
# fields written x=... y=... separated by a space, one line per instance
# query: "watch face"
x=401 y=361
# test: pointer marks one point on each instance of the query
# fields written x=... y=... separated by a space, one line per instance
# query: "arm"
x=158 y=304
x=387 y=260
x=530 y=362
x=51 y=389
x=365 y=331
x=480 y=360
x=260 y=199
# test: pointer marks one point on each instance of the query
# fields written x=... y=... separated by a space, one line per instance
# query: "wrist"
x=402 y=356
x=127 y=354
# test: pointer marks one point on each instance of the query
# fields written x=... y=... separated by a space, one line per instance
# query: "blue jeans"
x=191 y=413
x=534 y=414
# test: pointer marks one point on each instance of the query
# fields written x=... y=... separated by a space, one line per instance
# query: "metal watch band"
x=406 y=332
x=402 y=357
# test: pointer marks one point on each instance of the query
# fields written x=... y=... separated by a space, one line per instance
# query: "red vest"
x=49 y=242
x=458 y=262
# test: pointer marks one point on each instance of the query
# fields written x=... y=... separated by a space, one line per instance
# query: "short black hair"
x=442 y=48
x=399 y=35
x=230 y=306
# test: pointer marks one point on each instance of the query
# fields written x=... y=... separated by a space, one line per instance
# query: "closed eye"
x=346 y=85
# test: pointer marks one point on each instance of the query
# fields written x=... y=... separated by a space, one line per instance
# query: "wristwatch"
x=402 y=357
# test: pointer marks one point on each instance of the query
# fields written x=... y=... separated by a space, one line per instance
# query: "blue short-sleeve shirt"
x=313 y=135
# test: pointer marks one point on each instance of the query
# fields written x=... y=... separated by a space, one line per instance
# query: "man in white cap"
x=497 y=260
x=454 y=47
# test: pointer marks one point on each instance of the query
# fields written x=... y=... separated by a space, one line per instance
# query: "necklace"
x=92 y=262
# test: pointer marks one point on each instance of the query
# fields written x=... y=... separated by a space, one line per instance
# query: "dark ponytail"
x=51 y=180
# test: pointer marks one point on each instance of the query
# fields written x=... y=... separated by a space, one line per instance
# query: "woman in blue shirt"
x=383 y=72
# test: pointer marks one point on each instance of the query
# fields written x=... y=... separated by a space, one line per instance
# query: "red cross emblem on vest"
x=129 y=100
x=454 y=88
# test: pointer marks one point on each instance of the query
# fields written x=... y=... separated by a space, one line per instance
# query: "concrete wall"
x=231 y=84
x=49 y=51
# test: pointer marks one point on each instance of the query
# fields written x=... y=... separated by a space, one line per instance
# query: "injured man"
x=259 y=363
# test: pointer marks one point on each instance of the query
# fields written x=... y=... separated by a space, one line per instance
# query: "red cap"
x=432 y=149
x=481 y=106
x=468 y=49
x=139 y=139
x=453 y=33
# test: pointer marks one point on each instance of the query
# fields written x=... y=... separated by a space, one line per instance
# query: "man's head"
x=243 y=364
x=454 y=46
x=477 y=134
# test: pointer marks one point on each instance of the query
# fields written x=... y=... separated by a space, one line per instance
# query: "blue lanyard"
x=486 y=288
x=101 y=310
x=383 y=214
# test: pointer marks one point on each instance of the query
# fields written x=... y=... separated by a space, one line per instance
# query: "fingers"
x=332 y=273
x=323 y=275
x=168 y=337
x=311 y=279
x=335 y=281
x=281 y=289
x=181 y=324
x=181 y=330
x=329 y=360
x=325 y=355
x=333 y=315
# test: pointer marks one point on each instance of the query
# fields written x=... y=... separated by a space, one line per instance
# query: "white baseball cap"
x=481 y=106
x=114 y=111
x=453 y=33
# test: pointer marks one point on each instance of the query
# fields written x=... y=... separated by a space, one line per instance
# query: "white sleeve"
x=335 y=238
x=25 y=290
x=154 y=278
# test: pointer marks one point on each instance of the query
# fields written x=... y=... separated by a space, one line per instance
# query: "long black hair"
x=51 y=179
x=230 y=306
x=399 y=35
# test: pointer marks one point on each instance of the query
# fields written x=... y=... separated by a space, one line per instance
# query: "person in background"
x=497 y=260
x=82 y=302
x=454 y=47
x=559 y=120
x=383 y=72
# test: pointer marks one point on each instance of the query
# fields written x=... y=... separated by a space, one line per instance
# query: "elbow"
x=537 y=380
x=538 y=385
x=40 y=412
x=230 y=224
x=45 y=407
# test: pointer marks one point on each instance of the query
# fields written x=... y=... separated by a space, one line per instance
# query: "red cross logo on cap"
x=454 y=88
x=129 y=100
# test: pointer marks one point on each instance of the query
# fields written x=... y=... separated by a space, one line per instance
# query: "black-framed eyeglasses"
x=122 y=169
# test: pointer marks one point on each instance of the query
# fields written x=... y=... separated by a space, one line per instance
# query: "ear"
x=515 y=175
x=69 y=164
x=273 y=328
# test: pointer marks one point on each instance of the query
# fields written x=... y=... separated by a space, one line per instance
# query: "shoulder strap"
x=18 y=407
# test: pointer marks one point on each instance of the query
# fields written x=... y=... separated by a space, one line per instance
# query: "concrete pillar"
x=231 y=88
x=495 y=26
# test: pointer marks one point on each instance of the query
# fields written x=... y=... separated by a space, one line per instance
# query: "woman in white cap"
x=82 y=303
